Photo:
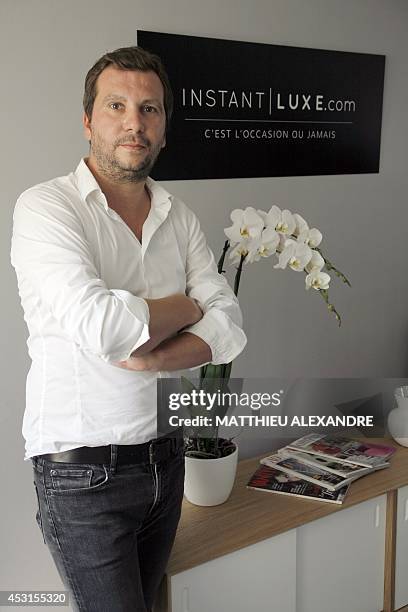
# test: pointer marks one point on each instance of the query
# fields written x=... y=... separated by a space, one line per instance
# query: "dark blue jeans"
x=110 y=528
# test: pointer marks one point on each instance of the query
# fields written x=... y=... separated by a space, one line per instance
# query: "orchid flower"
x=316 y=263
x=318 y=280
x=301 y=224
x=240 y=250
x=245 y=224
x=311 y=237
x=295 y=254
x=282 y=221
x=264 y=246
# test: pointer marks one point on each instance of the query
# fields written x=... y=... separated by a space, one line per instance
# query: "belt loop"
x=114 y=458
x=152 y=458
x=38 y=462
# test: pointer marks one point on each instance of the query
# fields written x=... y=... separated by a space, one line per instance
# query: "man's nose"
x=134 y=120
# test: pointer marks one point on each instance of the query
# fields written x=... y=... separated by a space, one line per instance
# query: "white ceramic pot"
x=398 y=421
x=209 y=482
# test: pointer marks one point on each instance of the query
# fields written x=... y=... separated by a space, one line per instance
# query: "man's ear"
x=87 y=126
x=164 y=142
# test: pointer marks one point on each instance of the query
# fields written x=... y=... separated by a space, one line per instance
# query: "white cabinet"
x=335 y=563
x=300 y=556
x=258 y=578
x=401 y=558
x=340 y=560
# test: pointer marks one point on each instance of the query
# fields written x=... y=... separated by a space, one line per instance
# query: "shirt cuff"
x=225 y=339
x=139 y=332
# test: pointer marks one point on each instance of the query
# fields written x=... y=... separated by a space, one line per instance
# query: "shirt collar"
x=86 y=182
x=161 y=199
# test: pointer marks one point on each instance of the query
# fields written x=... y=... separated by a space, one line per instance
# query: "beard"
x=120 y=171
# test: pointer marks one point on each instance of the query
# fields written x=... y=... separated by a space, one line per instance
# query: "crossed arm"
x=51 y=254
x=167 y=349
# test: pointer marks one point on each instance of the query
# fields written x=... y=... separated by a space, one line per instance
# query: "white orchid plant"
x=255 y=235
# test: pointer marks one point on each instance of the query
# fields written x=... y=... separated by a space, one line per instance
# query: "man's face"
x=127 y=127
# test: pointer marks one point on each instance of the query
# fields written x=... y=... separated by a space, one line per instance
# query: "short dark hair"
x=128 y=58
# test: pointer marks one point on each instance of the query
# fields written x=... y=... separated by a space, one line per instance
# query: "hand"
x=145 y=363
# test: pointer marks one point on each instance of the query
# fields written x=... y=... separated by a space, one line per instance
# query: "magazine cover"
x=345 y=449
x=316 y=475
x=268 y=479
x=329 y=465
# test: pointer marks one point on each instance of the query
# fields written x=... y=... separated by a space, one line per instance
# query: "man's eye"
x=150 y=109
x=115 y=105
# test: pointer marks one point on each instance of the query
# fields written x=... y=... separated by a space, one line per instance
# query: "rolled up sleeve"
x=221 y=325
x=53 y=263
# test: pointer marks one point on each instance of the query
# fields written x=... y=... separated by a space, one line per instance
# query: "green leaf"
x=186 y=385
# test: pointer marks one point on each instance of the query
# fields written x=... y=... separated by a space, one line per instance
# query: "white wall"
x=47 y=47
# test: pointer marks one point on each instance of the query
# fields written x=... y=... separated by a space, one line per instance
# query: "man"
x=118 y=287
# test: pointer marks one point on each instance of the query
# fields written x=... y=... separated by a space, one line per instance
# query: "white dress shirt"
x=82 y=277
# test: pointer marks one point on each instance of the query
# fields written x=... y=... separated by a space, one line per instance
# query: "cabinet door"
x=401 y=560
x=340 y=560
x=260 y=578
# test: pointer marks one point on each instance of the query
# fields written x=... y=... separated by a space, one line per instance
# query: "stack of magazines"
x=319 y=466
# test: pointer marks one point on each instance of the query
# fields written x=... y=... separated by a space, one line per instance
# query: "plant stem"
x=329 y=266
x=325 y=295
x=222 y=258
x=323 y=292
x=238 y=274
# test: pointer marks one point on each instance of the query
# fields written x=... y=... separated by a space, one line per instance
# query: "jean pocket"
x=38 y=516
x=77 y=479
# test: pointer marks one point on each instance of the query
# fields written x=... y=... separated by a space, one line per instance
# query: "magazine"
x=345 y=449
x=327 y=463
x=273 y=481
x=316 y=475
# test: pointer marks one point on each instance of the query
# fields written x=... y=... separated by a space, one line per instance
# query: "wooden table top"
x=250 y=516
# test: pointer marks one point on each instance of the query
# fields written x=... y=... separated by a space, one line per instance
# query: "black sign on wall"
x=249 y=109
